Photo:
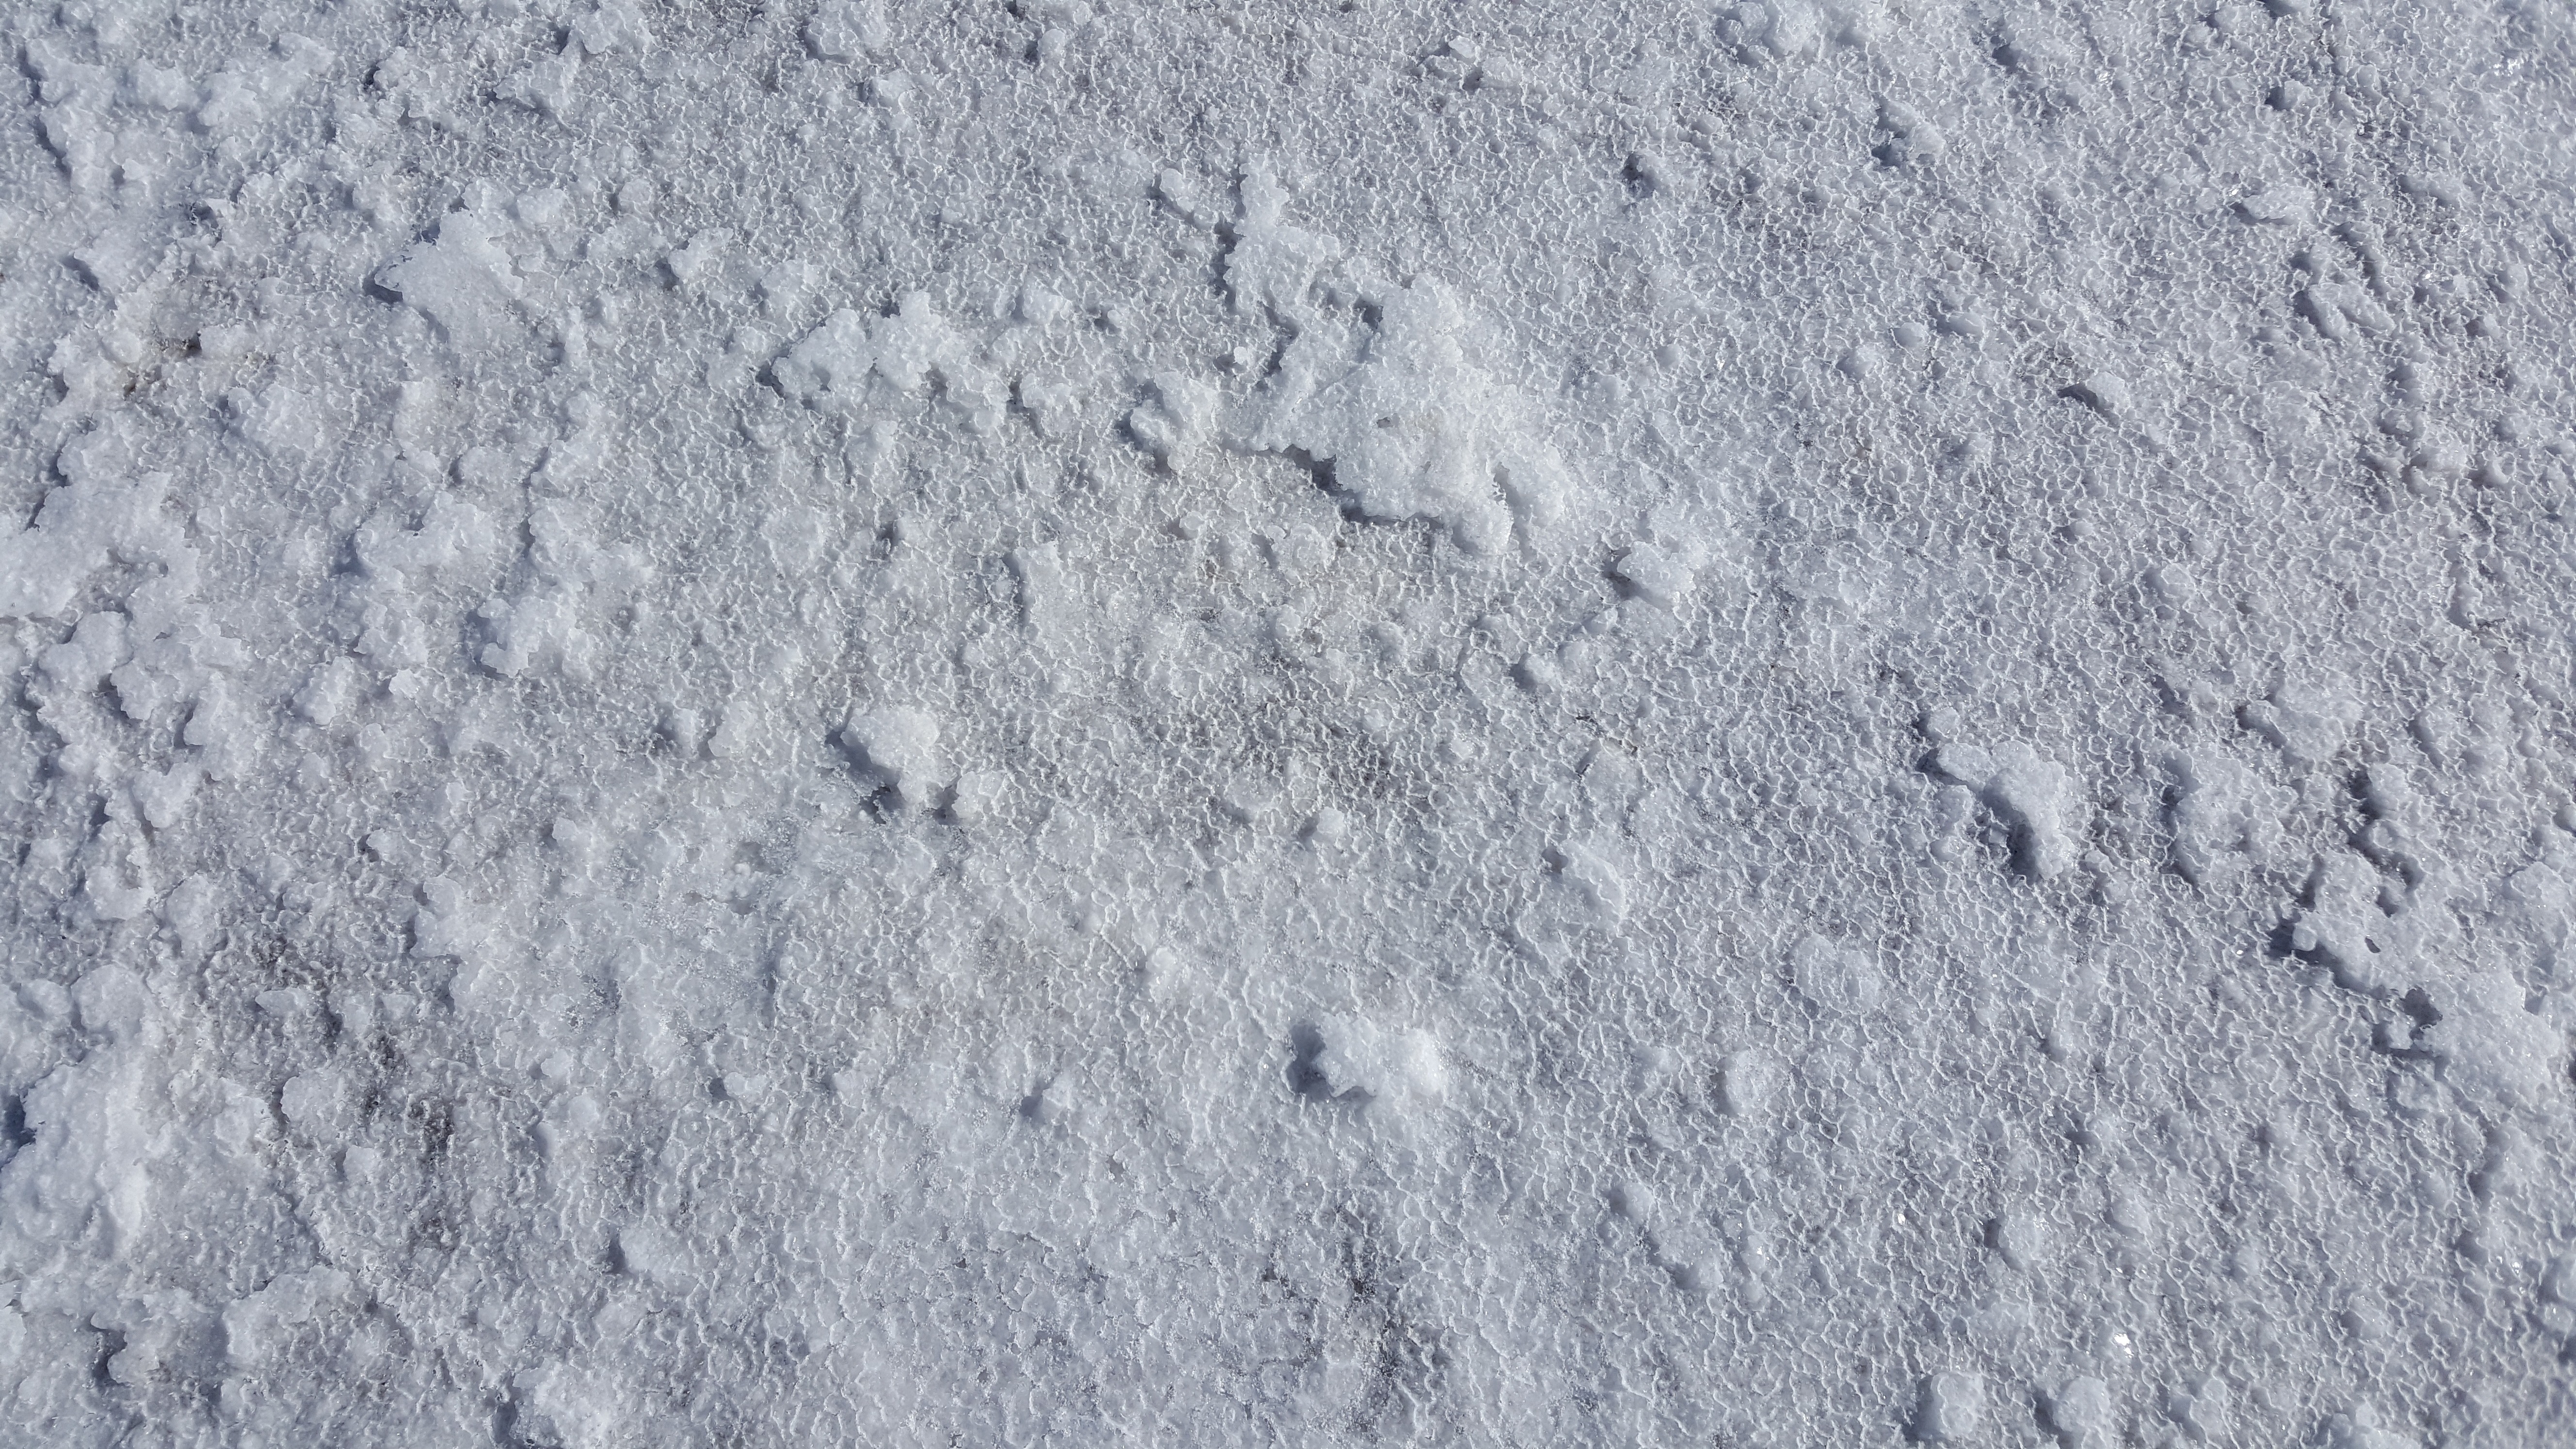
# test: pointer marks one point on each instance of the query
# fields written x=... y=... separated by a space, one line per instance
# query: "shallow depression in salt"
x=805 y=722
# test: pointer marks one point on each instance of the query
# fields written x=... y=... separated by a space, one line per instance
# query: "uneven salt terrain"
x=1288 y=723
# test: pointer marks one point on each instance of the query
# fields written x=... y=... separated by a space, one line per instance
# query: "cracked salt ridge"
x=509 y=935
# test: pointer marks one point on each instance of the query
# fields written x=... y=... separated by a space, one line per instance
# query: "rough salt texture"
x=1129 y=722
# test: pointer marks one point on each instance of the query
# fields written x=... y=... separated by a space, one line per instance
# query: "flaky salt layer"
x=1287 y=723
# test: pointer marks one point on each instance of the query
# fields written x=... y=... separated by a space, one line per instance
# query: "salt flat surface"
x=1288 y=723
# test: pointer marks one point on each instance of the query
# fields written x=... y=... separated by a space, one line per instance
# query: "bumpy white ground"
x=1121 y=722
